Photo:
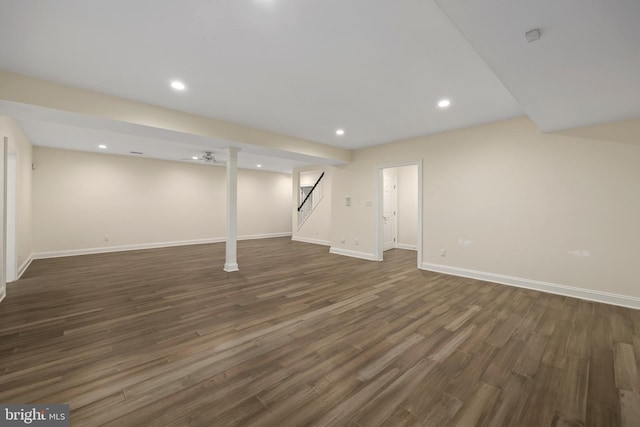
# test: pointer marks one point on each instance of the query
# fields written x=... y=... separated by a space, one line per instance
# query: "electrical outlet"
x=356 y=241
x=106 y=238
x=443 y=252
x=343 y=240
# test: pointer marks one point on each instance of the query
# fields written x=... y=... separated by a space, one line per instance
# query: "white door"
x=389 y=204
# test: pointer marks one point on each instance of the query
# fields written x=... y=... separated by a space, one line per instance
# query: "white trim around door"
x=378 y=211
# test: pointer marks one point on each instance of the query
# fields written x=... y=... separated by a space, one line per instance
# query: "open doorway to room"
x=390 y=214
x=399 y=212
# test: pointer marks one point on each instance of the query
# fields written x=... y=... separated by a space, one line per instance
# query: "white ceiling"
x=584 y=70
x=304 y=68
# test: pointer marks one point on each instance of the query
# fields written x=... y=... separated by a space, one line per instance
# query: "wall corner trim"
x=24 y=266
x=536 y=285
x=352 y=254
x=308 y=240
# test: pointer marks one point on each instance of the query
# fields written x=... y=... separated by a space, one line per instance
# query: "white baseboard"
x=552 y=288
x=24 y=266
x=407 y=247
x=308 y=240
x=3 y=293
x=102 y=250
x=261 y=236
x=353 y=254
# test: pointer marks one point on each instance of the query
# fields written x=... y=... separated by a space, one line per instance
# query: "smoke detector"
x=533 y=35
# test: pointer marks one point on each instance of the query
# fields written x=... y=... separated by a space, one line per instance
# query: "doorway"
x=399 y=208
x=389 y=208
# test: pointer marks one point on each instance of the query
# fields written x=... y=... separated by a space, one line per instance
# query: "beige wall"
x=317 y=228
x=309 y=178
x=508 y=200
x=19 y=145
x=264 y=201
x=79 y=198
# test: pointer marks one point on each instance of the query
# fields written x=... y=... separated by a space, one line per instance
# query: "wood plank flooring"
x=300 y=337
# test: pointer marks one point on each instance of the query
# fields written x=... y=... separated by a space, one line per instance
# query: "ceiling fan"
x=207 y=157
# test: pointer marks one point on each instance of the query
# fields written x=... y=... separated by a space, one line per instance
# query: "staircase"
x=311 y=197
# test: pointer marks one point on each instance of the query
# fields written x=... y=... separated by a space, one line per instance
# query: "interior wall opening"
x=400 y=209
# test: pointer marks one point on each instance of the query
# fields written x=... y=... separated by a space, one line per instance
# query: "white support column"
x=231 y=262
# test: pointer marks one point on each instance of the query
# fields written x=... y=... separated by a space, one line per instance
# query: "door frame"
x=378 y=211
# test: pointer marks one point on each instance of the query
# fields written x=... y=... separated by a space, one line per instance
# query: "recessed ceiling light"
x=194 y=157
x=259 y=166
x=178 y=85
x=444 y=103
x=102 y=146
x=340 y=132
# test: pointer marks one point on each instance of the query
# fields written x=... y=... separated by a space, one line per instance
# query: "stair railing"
x=307 y=205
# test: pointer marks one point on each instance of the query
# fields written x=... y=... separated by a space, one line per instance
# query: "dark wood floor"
x=301 y=337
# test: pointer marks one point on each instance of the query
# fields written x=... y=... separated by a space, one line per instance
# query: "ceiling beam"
x=42 y=93
x=625 y=131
